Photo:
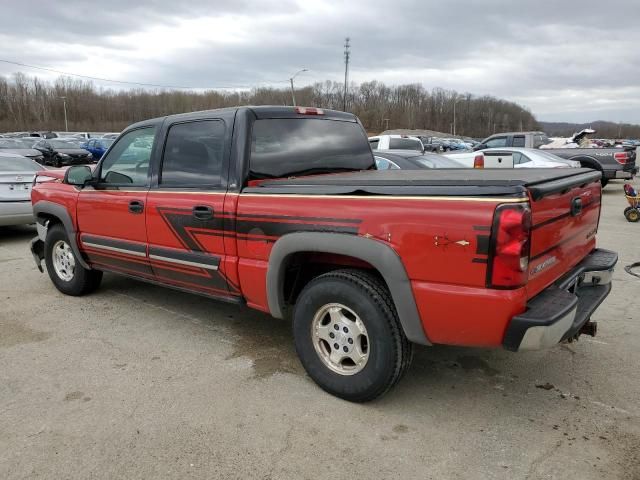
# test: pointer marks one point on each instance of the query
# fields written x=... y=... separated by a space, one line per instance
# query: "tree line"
x=28 y=103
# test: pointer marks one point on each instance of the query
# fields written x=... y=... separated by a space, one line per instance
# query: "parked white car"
x=396 y=142
x=16 y=178
x=513 y=157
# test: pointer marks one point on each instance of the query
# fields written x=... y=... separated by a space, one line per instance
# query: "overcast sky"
x=567 y=60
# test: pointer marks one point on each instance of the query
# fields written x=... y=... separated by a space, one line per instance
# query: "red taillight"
x=478 y=161
x=621 y=157
x=509 y=251
x=309 y=111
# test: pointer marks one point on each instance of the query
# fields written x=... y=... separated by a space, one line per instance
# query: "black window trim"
x=158 y=186
x=127 y=186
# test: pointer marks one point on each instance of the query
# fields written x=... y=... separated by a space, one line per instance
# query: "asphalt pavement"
x=141 y=382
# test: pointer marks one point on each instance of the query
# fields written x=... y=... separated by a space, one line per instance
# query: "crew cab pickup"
x=281 y=209
x=611 y=162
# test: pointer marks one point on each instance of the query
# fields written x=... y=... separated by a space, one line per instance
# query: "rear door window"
x=518 y=141
x=194 y=154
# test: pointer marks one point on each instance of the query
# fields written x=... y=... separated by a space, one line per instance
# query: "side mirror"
x=482 y=146
x=78 y=175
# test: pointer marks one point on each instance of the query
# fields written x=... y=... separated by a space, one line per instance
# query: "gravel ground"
x=136 y=381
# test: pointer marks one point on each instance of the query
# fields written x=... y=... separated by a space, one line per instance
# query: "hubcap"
x=340 y=339
x=64 y=262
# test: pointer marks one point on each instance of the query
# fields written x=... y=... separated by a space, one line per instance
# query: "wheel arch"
x=50 y=211
x=588 y=161
x=380 y=256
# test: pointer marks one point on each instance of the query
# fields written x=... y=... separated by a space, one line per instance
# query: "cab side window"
x=194 y=155
x=518 y=141
x=128 y=160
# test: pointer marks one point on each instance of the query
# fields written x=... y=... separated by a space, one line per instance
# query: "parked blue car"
x=97 y=146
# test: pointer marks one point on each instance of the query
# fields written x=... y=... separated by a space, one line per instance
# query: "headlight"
x=89 y=155
x=63 y=155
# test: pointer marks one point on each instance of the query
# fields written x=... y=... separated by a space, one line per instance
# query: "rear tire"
x=63 y=267
x=632 y=215
x=348 y=336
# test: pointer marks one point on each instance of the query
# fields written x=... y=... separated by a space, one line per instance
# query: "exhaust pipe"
x=589 y=328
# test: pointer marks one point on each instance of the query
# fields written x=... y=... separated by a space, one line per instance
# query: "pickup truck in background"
x=611 y=162
x=248 y=205
x=396 y=142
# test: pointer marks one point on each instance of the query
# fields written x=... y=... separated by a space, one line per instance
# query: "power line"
x=175 y=87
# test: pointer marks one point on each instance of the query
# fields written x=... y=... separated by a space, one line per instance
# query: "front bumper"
x=16 y=213
x=559 y=312
x=626 y=174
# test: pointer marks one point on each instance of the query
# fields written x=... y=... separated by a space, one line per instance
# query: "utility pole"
x=64 y=104
x=386 y=120
x=347 y=54
x=293 y=91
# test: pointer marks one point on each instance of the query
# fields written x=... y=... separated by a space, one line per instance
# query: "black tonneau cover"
x=453 y=182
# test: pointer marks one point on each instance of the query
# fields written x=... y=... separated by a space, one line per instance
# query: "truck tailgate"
x=564 y=223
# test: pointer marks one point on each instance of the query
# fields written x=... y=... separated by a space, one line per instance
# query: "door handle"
x=136 y=206
x=202 y=212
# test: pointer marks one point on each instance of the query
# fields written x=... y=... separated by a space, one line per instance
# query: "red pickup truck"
x=281 y=209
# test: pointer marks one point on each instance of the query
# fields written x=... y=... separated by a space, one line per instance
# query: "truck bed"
x=463 y=182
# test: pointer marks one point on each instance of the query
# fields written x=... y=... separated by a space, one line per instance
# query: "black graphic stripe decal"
x=120 y=246
x=128 y=264
x=482 y=244
x=300 y=219
x=278 y=229
x=192 y=259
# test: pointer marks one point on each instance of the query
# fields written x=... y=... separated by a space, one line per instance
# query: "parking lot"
x=137 y=381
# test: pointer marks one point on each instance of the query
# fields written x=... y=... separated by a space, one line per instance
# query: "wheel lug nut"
x=332 y=335
x=350 y=340
x=345 y=330
x=336 y=327
x=336 y=346
x=345 y=349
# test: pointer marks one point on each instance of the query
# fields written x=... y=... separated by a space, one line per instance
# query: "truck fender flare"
x=44 y=208
x=587 y=160
x=380 y=256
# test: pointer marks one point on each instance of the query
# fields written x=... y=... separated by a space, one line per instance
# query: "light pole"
x=64 y=104
x=454 y=115
x=293 y=92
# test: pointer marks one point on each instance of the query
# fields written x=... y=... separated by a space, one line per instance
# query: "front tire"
x=63 y=267
x=348 y=336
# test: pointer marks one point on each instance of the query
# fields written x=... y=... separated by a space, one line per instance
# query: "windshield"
x=62 y=144
x=11 y=143
x=436 y=161
x=18 y=164
x=549 y=156
x=105 y=142
x=286 y=147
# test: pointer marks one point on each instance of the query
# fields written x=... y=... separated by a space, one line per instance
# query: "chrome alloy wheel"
x=64 y=263
x=340 y=339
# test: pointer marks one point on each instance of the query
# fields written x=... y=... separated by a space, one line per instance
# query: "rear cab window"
x=287 y=147
x=405 y=144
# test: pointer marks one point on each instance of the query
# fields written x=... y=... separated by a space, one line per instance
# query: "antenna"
x=347 y=55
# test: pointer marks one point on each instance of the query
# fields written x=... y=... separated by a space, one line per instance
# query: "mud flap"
x=37 y=250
